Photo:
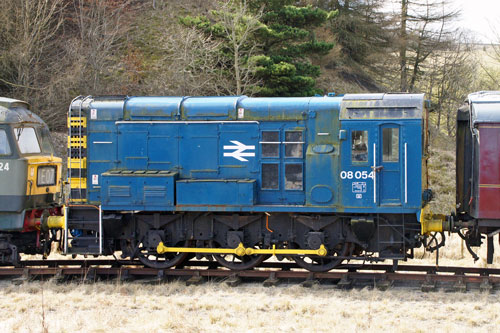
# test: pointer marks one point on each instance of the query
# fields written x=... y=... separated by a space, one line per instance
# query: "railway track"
x=428 y=278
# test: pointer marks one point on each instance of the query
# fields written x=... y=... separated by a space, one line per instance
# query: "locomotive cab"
x=30 y=175
x=383 y=163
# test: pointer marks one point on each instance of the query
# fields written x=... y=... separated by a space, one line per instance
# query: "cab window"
x=293 y=144
x=47 y=145
x=293 y=176
x=270 y=144
x=4 y=144
x=359 y=146
x=27 y=140
x=270 y=176
x=390 y=144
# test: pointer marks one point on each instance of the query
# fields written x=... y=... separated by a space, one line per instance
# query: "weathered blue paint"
x=227 y=192
x=139 y=190
x=215 y=145
x=390 y=177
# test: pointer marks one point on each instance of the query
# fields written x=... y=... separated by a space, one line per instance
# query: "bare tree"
x=490 y=63
x=214 y=62
x=100 y=29
x=189 y=64
x=449 y=76
x=238 y=26
x=403 y=35
x=30 y=66
x=28 y=34
x=424 y=28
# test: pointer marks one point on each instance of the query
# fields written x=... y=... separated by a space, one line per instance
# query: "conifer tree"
x=281 y=43
x=288 y=40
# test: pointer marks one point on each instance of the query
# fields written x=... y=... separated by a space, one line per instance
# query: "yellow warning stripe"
x=78 y=200
x=489 y=185
x=77 y=122
x=78 y=182
x=77 y=163
x=76 y=142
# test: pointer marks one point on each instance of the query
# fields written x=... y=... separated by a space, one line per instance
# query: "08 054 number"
x=356 y=174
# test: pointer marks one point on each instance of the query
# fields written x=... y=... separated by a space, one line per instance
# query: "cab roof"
x=13 y=111
x=382 y=106
x=11 y=103
x=485 y=106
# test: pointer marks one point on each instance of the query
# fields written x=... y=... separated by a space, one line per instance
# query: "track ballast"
x=428 y=278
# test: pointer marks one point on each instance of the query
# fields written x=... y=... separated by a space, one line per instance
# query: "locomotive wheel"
x=237 y=263
x=149 y=257
x=320 y=264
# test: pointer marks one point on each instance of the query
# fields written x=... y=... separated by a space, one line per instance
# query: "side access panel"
x=207 y=192
x=138 y=190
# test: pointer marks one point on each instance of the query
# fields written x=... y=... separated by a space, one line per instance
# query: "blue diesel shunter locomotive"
x=318 y=180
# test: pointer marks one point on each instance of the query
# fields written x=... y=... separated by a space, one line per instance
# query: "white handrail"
x=100 y=230
x=66 y=229
x=406 y=172
x=374 y=173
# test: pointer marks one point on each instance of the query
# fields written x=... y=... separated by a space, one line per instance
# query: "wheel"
x=151 y=258
x=237 y=263
x=323 y=264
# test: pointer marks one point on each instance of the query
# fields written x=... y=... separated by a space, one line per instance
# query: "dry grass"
x=213 y=307
x=455 y=254
x=441 y=168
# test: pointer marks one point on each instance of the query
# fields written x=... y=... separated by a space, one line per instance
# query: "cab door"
x=389 y=164
x=372 y=165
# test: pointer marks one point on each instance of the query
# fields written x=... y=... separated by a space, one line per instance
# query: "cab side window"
x=359 y=146
x=4 y=144
x=390 y=144
x=47 y=145
x=294 y=144
x=270 y=144
x=293 y=176
x=270 y=176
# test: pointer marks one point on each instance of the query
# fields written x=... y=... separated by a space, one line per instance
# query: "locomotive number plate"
x=356 y=175
x=4 y=167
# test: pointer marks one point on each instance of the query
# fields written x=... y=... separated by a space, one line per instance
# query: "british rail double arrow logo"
x=239 y=151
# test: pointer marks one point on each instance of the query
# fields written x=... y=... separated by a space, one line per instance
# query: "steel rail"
x=430 y=269
x=346 y=275
x=261 y=274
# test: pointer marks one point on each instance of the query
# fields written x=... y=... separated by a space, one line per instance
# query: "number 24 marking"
x=4 y=167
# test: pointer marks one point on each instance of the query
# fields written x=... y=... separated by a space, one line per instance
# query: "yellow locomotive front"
x=30 y=182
